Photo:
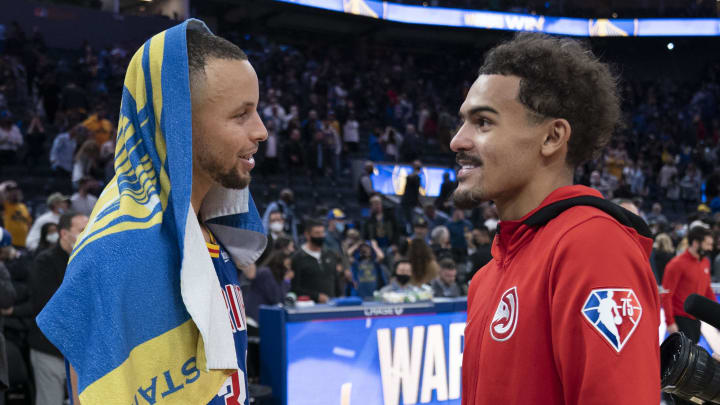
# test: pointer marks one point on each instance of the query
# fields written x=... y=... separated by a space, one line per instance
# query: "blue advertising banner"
x=519 y=22
x=391 y=360
x=373 y=354
x=389 y=179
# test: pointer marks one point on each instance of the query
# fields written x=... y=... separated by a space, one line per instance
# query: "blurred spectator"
x=63 y=150
x=381 y=226
x=49 y=236
x=276 y=227
x=35 y=138
x=422 y=259
x=411 y=196
x=270 y=285
x=446 y=189
x=318 y=271
x=365 y=186
x=82 y=201
x=483 y=250
x=663 y=251
x=335 y=230
x=410 y=145
x=432 y=217
x=420 y=229
x=10 y=139
x=440 y=241
x=16 y=216
x=272 y=147
x=458 y=226
x=351 y=133
x=57 y=204
x=367 y=273
x=46 y=275
x=445 y=285
x=401 y=276
x=85 y=162
x=7 y=299
x=295 y=153
x=286 y=206
x=284 y=244
x=73 y=99
x=656 y=215
x=391 y=142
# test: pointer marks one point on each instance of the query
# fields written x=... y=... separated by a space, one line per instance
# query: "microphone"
x=703 y=309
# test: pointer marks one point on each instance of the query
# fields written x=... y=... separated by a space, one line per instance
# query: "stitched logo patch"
x=505 y=320
x=614 y=313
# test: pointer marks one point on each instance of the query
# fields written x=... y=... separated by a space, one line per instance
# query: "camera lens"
x=688 y=371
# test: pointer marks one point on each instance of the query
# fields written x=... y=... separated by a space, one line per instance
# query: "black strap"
x=625 y=217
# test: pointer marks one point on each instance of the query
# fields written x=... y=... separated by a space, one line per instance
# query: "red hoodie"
x=565 y=313
x=684 y=275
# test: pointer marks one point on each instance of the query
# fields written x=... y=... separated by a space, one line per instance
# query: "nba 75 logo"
x=614 y=313
x=505 y=319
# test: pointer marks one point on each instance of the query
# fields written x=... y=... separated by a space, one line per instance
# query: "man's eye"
x=241 y=115
x=483 y=122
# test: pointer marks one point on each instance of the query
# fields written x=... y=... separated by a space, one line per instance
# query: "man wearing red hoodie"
x=685 y=274
x=567 y=312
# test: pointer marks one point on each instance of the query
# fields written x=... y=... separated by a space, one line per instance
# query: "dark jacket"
x=46 y=275
x=411 y=196
x=263 y=290
x=313 y=277
x=7 y=297
x=385 y=232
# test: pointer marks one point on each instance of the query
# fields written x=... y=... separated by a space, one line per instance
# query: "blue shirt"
x=235 y=389
x=62 y=152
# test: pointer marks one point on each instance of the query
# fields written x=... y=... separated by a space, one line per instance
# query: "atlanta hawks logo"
x=614 y=313
x=504 y=322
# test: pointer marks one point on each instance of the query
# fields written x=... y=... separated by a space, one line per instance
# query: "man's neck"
x=529 y=198
x=201 y=185
x=311 y=247
x=694 y=252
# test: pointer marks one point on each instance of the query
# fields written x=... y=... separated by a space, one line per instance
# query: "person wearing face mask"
x=402 y=274
x=335 y=230
x=57 y=204
x=688 y=273
x=49 y=237
x=46 y=275
x=318 y=271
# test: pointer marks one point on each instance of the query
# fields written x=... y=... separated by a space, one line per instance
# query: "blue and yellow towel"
x=140 y=314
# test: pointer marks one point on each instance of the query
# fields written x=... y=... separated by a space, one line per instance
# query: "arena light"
x=638 y=27
x=670 y=46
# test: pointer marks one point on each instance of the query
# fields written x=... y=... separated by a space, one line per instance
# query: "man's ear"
x=557 y=136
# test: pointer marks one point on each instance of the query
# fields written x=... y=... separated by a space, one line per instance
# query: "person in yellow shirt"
x=101 y=129
x=16 y=216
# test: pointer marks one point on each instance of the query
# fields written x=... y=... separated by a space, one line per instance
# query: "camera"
x=688 y=371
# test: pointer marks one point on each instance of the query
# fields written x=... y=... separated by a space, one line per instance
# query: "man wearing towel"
x=173 y=324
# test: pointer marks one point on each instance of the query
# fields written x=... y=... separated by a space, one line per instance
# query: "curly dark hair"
x=562 y=78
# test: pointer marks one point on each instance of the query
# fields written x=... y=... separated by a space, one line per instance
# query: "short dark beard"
x=228 y=179
x=466 y=199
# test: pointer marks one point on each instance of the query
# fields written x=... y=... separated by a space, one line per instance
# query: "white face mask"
x=52 y=238
x=276 y=227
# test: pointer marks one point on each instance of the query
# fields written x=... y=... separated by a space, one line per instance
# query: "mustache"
x=465 y=157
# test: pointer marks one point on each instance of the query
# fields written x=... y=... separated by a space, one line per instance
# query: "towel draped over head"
x=140 y=314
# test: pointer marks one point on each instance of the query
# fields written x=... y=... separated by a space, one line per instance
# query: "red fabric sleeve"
x=594 y=255
x=670 y=281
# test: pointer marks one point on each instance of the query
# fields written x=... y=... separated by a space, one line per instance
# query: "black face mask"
x=318 y=241
x=402 y=278
x=703 y=253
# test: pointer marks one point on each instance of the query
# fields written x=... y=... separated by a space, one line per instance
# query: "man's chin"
x=466 y=198
x=234 y=181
